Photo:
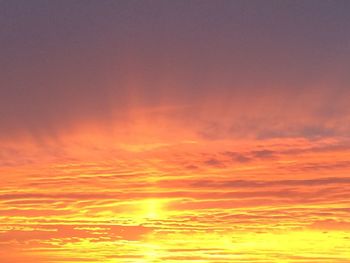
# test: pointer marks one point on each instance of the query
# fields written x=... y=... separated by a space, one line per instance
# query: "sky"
x=170 y=131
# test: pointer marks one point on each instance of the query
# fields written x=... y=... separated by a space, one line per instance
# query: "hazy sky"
x=257 y=68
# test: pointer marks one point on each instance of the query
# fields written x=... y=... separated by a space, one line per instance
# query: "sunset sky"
x=173 y=131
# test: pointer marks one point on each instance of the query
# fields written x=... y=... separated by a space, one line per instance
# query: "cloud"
x=269 y=183
x=213 y=162
x=73 y=232
x=330 y=225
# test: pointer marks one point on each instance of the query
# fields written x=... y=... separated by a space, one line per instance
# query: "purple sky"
x=275 y=68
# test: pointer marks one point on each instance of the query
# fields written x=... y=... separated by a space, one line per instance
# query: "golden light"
x=153 y=208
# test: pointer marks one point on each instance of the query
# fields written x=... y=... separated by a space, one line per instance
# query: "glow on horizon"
x=202 y=201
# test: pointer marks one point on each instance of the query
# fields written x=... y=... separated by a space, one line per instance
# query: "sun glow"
x=185 y=202
x=153 y=208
